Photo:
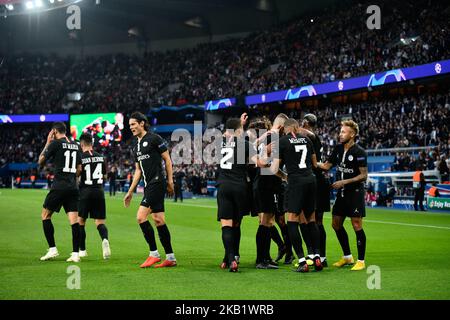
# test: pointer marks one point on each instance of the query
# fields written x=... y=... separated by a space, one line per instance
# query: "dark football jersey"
x=295 y=151
x=348 y=163
x=65 y=156
x=264 y=176
x=234 y=158
x=147 y=152
x=94 y=169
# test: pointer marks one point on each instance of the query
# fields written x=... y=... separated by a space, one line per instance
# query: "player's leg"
x=306 y=237
x=314 y=233
x=296 y=239
x=237 y=239
x=267 y=222
x=416 y=198
x=75 y=226
x=341 y=234
x=82 y=223
x=49 y=233
x=103 y=232
x=357 y=223
x=281 y=221
x=228 y=243
x=323 y=238
x=149 y=235
x=164 y=237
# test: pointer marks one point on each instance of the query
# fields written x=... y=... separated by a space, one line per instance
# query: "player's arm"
x=324 y=166
x=169 y=172
x=361 y=177
x=136 y=178
x=45 y=154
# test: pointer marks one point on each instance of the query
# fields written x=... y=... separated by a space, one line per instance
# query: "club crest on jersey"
x=350 y=158
x=145 y=144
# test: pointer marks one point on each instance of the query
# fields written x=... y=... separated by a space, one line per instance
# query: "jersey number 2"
x=304 y=151
x=228 y=154
x=70 y=166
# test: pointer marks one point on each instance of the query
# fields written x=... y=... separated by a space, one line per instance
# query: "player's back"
x=235 y=153
x=65 y=156
x=296 y=151
x=94 y=169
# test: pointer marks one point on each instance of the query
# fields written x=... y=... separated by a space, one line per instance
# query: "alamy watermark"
x=374 y=279
x=73 y=281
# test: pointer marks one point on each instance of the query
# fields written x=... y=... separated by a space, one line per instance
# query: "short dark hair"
x=233 y=123
x=291 y=123
x=60 y=127
x=311 y=119
x=86 y=138
x=139 y=117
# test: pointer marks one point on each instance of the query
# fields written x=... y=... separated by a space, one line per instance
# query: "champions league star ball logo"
x=145 y=144
x=438 y=68
x=340 y=85
x=350 y=158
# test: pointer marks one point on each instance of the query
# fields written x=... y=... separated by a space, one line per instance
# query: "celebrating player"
x=66 y=157
x=92 y=196
x=148 y=152
x=351 y=162
x=296 y=151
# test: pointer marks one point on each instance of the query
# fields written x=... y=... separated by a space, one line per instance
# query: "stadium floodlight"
x=9 y=6
x=38 y=3
x=51 y=1
x=29 y=5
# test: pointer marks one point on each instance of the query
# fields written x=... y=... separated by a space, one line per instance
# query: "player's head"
x=309 y=121
x=233 y=125
x=59 y=128
x=291 y=126
x=138 y=123
x=279 y=121
x=349 y=131
x=86 y=141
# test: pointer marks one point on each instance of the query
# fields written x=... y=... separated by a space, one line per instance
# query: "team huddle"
x=279 y=174
x=275 y=175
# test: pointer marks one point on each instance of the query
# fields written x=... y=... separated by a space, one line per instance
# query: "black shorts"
x=232 y=201
x=251 y=203
x=92 y=203
x=58 y=198
x=301 y=195
x=322 y=195
x=265 y=198
x=351 y=204
x=154 y=197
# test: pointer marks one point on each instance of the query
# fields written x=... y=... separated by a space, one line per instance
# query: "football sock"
x=103 y=231
x=306 y=237
x=343 y=240
x=286 y=239
x=276 y=236
x=315 y=237
x=49 y=232
x=266 y=243
x=149 y=234
x=361 y=244
x=164 y=237
x=259 y=244
x=323 y=240
x=296 y=238
x=228 y=239
x=237 y=239
x=82 y=238
x=76 y=237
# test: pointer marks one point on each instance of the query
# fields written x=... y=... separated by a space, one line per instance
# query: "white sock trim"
x=154 y=254
x=171 y=257
x=348 y=257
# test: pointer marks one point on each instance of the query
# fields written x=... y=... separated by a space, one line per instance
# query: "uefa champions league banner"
x=219 y=104
x=30 y=118
x=371 y=80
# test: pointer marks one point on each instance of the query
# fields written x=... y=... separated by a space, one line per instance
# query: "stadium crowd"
x=333 y=46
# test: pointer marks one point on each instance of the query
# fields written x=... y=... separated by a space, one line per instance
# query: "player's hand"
x=127 y=199
x=244 y=118
x=170 y=188
x=338 y=184
x=51 y=136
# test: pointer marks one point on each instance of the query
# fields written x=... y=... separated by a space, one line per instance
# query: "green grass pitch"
x=411 y=249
